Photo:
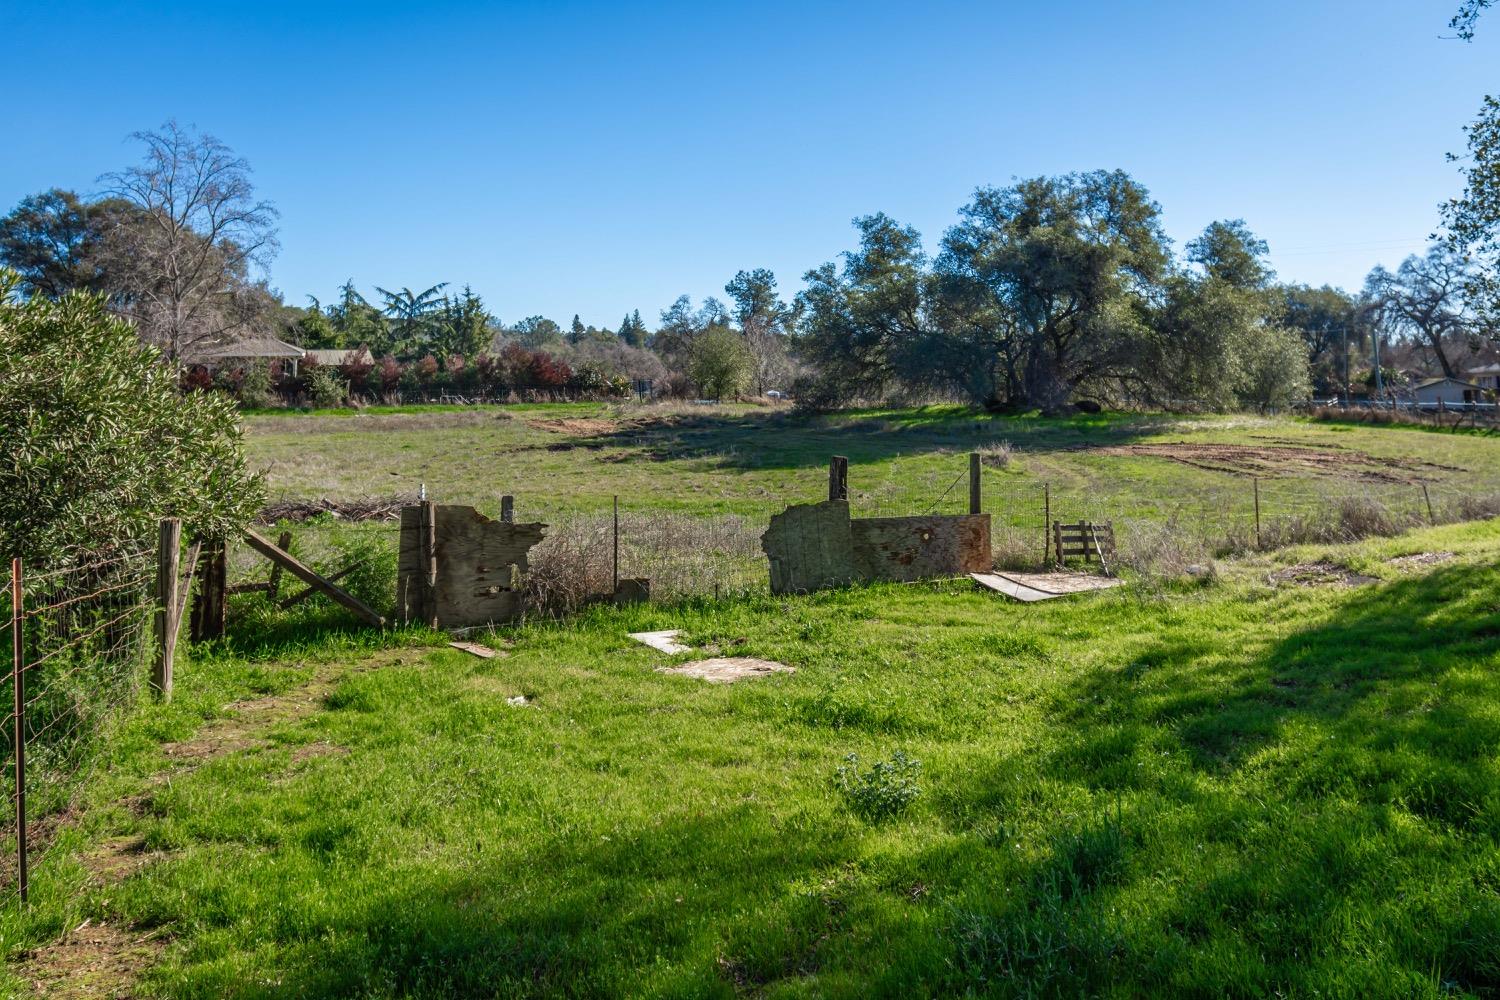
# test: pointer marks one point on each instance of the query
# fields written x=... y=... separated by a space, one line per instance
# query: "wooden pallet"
x=1087 y=540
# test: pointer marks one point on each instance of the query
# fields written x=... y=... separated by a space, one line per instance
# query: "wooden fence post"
x=616 y=588
x=838 y=478
x=1427 y=498
x=273 y=586
x=18 y=685
x=209 y=607
x=168 y=545
x=1256 y=481
x=976 y=501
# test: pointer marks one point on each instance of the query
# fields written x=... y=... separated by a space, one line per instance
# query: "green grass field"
x=1230 y=789
x=753 y=461
x=1226 y=786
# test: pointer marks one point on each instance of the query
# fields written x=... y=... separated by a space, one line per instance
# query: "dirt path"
x=99 y=959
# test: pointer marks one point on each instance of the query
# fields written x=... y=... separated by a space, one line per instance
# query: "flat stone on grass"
x=728 y=669
x=665 y=642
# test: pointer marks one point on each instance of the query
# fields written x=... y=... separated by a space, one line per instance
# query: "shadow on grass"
x=576 y=916
x=780 y=440
x=258 y=631
x=1390 y=667
x=1331 y=797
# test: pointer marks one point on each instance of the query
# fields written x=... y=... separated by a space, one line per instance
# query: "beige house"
x=337 y=357
x=234 y=352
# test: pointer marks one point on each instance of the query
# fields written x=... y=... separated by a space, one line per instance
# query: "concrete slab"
x=665 y=641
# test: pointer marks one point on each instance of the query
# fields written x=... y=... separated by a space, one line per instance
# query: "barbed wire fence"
x=81 y=637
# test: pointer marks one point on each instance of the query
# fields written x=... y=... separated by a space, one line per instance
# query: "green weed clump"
x=882 y=792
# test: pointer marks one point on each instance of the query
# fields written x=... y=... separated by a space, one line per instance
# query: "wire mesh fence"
x=81 y=637
x=701 y=545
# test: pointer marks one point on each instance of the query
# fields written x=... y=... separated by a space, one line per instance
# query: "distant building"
x=235 y=352
x=1485 y=376
x=337 y=357
x=1447 y=391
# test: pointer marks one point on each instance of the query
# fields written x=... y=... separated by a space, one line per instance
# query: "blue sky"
x=596 y=158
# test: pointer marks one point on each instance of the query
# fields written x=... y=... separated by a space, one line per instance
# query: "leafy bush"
x=325 y=389
x=721 y=363
x=100 y=443
x=884 y=791
x=374 y=578
x=255 y=386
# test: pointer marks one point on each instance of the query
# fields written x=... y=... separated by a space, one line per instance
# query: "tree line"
x=1047 y=293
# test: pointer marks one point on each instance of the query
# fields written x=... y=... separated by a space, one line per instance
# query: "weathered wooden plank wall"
x=810 y=548
x=816 y=546
x=476 y=570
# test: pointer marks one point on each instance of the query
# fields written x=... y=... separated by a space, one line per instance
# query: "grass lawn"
x=567 y=458
x=1225 y=789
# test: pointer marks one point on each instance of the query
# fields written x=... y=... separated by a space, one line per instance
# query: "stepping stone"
x=728 y=669
x=665 y=642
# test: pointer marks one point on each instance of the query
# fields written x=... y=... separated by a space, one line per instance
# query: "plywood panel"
x=481 y=566
x=810 y=548
x=902 y=549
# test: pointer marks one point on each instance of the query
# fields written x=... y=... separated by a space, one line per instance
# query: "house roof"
x=248 y=347
x=337 y=355
x=1430 y=382
x=1492 y=369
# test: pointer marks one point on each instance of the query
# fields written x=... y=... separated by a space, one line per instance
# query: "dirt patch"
x=103 y=960
x=1417 y=559
x=728 y=669
x=314 y=751
x=1319 y=574
x=119 y=858
x=92 y=960
x=1273 y=460
x=581 y=426
x=245 y=726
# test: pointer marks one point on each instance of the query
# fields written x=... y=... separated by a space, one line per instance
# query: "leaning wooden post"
x=168 y=545
x=616 y=589
x=18 y=685
x=508 y=508
x=1427 y=498
x=838 y=478
x=1256 y=481
x=273 y=586
x=975 y=500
